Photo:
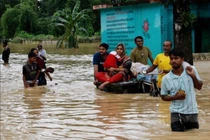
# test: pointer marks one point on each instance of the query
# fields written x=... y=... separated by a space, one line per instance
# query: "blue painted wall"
x=151 y=21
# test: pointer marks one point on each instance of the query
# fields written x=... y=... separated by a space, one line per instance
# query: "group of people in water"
x=35 y=69
x=176 y=80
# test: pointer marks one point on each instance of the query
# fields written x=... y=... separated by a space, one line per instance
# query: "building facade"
x=154 y=22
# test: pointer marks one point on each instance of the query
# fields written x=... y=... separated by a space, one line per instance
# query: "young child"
x=30 y=71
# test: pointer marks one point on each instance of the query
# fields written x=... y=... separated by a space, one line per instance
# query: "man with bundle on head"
x=179 y=86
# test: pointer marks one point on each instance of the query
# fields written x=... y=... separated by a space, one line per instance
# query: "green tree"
x=10 y=22
x=28 y=18
x=42 y=26
x=49 y=7
x=21 y=17
x=96 y=22
x=1 y=33
x=4 y=4
x=70 y=21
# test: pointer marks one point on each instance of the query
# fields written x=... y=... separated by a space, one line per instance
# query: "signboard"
x=118 y=26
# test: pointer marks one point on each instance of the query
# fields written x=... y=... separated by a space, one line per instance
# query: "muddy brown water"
x=70 y=107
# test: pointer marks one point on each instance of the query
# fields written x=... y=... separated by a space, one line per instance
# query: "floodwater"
x=70 y=107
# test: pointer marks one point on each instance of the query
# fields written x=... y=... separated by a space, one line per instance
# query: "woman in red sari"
x=116 y=74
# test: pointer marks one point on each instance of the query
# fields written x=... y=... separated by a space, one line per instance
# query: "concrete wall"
x=201 y=56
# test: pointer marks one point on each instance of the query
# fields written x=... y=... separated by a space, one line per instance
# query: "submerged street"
x=70 y=107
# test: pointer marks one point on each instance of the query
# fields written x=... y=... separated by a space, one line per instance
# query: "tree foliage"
x=4 y=4
x=34 y=16
x=71 y=21
x=28 y=17
x=10 y=22
x=185 y=18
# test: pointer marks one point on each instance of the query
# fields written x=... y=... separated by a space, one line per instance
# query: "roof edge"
x=104 y=6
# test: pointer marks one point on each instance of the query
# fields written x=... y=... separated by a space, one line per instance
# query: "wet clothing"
x=163 y=63
x=141 y=55
x=5 y=54
x=30 y=71
x=42 y=66
x=181 y=122
x=42 y=79
x=99 y=60
x=171 y=83
x=40 y=62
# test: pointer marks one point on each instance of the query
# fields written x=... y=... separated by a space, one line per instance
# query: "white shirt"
x=171 y=83
x=42 y=52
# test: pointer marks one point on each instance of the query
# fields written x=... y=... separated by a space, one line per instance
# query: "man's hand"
x=26 y=85
x=197 y=83
x=179 y=96
x=190 y=71
x=50 y=78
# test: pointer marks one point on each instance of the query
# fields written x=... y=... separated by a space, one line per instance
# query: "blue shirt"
x=171 y=83
x=99 y=60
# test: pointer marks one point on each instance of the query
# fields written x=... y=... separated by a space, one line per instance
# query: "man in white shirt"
x=178 y=86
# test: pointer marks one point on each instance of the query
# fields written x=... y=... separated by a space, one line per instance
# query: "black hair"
x=32 y=50
x=123 y=46
x=106 y=46
x=177 y=52
x=138 y=37
x=31 y=54
x=127 y=64
x=5 y=42
x=39 y=45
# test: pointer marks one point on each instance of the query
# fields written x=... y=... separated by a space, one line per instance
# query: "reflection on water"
x=31 y=98
x=70 y=107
